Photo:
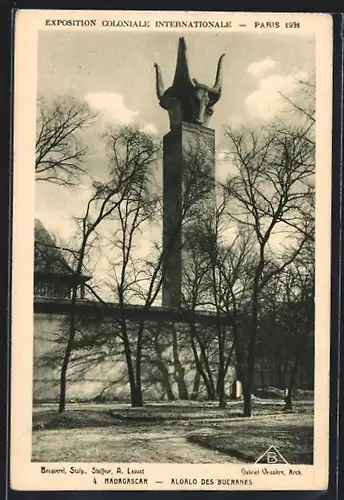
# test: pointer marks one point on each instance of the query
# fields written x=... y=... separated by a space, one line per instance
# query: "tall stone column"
x=189 y=144
x=180 y=144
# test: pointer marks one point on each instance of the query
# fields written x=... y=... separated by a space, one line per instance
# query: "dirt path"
x=94 y=438
x=115 y=444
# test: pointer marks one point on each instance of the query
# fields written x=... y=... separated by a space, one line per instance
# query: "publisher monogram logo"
x=271 y=456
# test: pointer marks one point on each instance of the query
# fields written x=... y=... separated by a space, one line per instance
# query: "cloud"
x=259 y=68
x=268 y=99
x=224 y=165
x=149 y=128
x=222 y=155
x=57 y=212
x=112 y=107
x=234 y=120
x=61 y=227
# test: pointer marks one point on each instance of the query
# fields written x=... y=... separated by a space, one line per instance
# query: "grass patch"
x=72 y=419
x=90 y=416
x=163 y=414
x=77 y=419
x=179 y=413
x=275 y=393
x=247 y=442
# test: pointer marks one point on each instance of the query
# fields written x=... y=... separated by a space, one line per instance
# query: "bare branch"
x=60 y=152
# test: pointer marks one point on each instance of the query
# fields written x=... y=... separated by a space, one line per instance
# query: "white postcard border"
x=25 y=474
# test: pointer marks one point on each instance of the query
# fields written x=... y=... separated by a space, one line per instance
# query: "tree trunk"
x=285 y=372
x=178 y=367
x=247 y=396
x=221 y=371
x=200 y=363
x=288 y=398
x=196 y=385
x=129 y=361
x=221 y=389
x=199 y=368
x=247 y=392
x=63 y=380
x=211 y=385
x=67 y=355
x=281 y=384
x=138 y=399
x=240 y=369
x=262 y=365
x=288 y=401
x=262 y=375
x=167 y=384
x=162 y=368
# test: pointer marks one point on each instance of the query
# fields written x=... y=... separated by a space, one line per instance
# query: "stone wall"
x=101 y=372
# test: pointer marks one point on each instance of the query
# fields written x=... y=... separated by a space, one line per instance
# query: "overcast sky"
x=114 y=73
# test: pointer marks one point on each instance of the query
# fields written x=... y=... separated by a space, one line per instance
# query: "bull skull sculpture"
x=187 y=99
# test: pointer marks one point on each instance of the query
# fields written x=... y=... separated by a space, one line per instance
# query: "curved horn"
x=218 y=81
x=159 y=82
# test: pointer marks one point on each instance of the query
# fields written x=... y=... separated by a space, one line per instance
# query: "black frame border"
x=337 y=276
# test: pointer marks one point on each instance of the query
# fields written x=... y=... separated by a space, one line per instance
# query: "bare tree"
x=273 y=170
x=216 y=278
x=297 y=317
x=286 y=324
x=60 y=149
x=156 y=357
x=196 y=188
x=126 y=200
x=132 y=214
x=273 y=345
x=303 y=103
x=196 y=266
x=134 y=152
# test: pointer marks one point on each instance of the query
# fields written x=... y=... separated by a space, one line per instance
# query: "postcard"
x=171 y=251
